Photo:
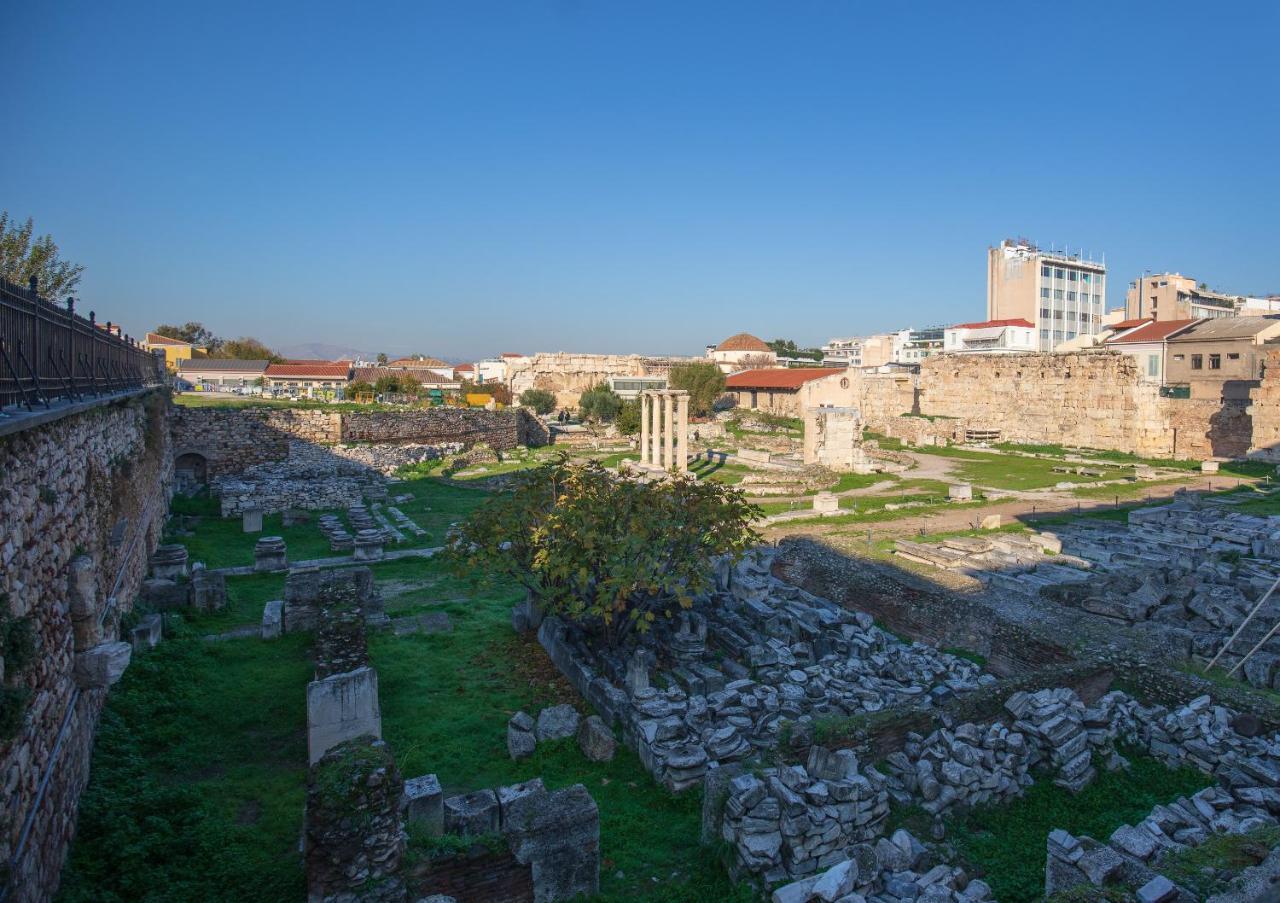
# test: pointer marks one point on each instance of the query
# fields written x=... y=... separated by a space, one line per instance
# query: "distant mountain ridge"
x=323 y=351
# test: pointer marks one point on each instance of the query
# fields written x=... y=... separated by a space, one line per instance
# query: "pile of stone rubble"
x=810 y=659
x=969 y=766
x=339 y=539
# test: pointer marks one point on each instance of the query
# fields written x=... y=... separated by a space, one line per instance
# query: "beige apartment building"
x=1221 y=358
x=1063 y=295
x=1172 y=296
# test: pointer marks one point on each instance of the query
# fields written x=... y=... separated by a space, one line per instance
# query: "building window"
x=1070 y=335
x=1233 y=357
x=1153 y=365
x=1044 y=333
x=1057 y=274
x=1046 y=271
x=1057 y=294
x=1197 y=362
x=1072 y=275
x=1044 y=293
x=1057 y=335
x=1044 y=313
x=1179 y=358
x=1085 y=277
x=1071 y=296
x=1215 y=362
x=1097 y=299
x=1057 y=315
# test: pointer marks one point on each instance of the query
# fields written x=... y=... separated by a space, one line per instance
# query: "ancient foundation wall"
x=568 y=375
x=1265 y=411
x=89 y=488
x=231 y=439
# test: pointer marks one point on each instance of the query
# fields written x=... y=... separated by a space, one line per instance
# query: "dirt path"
x=882 y=486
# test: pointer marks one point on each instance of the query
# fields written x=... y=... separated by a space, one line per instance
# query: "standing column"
x=644 y=428
x=669 y=438
x=655 y=431
x=682 y=433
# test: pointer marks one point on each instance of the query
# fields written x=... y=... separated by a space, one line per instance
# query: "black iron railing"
x=49 y=352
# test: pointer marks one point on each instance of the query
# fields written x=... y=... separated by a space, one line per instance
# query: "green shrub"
x=542 y=401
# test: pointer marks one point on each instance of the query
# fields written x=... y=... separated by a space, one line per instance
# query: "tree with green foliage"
x=542 y=401
x=382 y=358
x=606 y=551
x=23 y=255
x=628 y=421
x=246 y=348
x=704 y=382
x=599 y=404
x=192 y=331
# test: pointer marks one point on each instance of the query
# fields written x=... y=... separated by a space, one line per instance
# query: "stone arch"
x=190 y=469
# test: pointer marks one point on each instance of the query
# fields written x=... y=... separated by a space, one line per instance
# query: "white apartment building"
x=991 y=337
x=1062 y=295
x=845 y=352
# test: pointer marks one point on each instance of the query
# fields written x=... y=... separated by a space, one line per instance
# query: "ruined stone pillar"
x=669 y=437
x=682 y=432
x=655 y=433
x=644 y=428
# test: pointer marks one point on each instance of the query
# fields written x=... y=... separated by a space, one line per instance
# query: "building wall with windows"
x=1221 y=359
x=1063 y=295
x=1172 y=296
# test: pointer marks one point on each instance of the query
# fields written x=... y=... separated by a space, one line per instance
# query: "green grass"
x=446 y=699
x=1124 y=490
x=998 y=471
x=888 y=443
x=1193 y=867
x=728 y=473
x=198 y=777
x=1005 y=843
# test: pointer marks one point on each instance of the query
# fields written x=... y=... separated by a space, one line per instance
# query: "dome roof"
x=743 y=341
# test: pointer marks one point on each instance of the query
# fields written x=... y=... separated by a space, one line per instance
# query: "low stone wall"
x=91 y=489
x=479 y=876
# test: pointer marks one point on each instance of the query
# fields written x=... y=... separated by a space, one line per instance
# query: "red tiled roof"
x=1154 y=331
x=309 y=369
x=993 y=323
x=743 y=341
x=778 y=378
x=465 y=368
x=154 y=338
x=1127 y=324
x=420 y=376
x=510 y=354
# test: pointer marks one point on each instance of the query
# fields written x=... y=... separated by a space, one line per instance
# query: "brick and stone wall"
x=1265 y=411
x=568 y=374
x=89 y=489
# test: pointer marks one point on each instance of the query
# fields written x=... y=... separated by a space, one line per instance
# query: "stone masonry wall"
x=91 y=487
x=1265 y=411
x=232 y=439
x=568 y=375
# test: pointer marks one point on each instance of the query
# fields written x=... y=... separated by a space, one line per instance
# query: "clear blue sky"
x=471 y=177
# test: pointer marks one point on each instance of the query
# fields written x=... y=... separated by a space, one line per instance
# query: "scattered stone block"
x=521 y=741
x=596 y=740
x=472 y=814
x=101 y=666
x=990 y=522
x=558 y=835
x=368 y=545
x=147 y=633
x=251 y=521
x=960 y=492
x=826 y=503
x=272 y=619
x=424 y=803
x=208 y=590
x=1158 y=890
x=557 y=722
x=1208 y=466
x=269 y=554
x=169 y=562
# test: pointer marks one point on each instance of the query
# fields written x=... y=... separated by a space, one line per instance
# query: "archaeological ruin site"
x=996 y=630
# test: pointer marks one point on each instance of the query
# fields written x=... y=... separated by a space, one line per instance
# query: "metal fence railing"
x=49 y=352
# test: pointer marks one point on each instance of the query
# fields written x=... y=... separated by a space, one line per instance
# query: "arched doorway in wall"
x=190 y=472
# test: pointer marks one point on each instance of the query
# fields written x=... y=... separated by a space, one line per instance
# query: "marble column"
x=682 y=432
x=669 y=437
x=644 y=428
x=655 y=431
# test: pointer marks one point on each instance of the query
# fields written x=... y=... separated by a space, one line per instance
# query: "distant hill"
x=322 y=351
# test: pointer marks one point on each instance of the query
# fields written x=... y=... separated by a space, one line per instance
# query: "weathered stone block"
x=596 y=740
x=424 y=803
x=251 y=520
x=472 y=814
x=557 y=722
x=272 y=619
x=102 y=666
x=147 y=633
x=342 y=707
x=558 y=835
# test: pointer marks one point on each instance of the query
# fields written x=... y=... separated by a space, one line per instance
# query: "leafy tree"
x=398 y=384
x=603 y=550
x=599 y=404
x=382 y=358
x=246 y=348
x=542 y=401
x=23 y=255
x=629 y=417
x=194 y=332
x=703 y=381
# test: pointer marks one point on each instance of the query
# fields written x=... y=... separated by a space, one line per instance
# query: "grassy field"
x=1004 y=471
x=198 y=777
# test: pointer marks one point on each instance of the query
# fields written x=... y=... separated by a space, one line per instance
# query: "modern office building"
x=1062 y=294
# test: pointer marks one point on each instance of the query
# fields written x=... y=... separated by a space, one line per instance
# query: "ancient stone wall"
x=1265 y=411
x=89 y=488
x=478 y=875
x=568 y=375
x=232 y=439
